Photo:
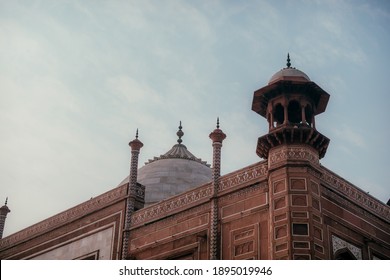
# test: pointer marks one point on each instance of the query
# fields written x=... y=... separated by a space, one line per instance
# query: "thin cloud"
x=350 y=135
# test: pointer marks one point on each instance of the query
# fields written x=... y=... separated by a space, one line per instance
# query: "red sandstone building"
x=286 y=206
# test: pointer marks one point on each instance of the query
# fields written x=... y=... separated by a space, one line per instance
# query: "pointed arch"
x=278 y=116
x=344 y=254
x=294 y=112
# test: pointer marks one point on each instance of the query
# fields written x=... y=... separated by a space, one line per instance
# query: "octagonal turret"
x=290 y=103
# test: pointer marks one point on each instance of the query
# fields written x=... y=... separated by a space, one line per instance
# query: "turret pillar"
x=135 y=146
x=217 y=136
x=4 y=210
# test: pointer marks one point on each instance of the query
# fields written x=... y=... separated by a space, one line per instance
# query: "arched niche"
x=344 y=254
x=294 y=112
x=278 y=115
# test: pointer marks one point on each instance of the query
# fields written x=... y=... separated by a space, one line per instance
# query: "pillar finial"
x=288 y=60
x=217 y=135
x=4 y=210
x=136 y=144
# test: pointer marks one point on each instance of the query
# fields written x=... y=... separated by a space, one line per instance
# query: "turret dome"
x=289 y=74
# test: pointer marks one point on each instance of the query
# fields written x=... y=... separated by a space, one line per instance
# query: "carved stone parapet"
x=254 y=172
x=199 y=195
x=290 y=153
x=353 y=193
x=172 y=205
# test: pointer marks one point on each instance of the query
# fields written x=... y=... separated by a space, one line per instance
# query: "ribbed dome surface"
x=179 y=151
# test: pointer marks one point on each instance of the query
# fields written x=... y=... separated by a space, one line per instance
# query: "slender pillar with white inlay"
x=217 y=136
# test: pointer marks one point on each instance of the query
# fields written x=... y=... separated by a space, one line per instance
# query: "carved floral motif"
x=293 y=153
x=243 y=176
x=339 y=243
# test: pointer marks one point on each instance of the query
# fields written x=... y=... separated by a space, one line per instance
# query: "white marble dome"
x=167 y=177
x=176 y=171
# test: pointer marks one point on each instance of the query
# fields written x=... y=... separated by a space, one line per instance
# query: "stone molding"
x=342 y=201
x=169 y=206
x=245 y=175
x=180 y=215
x=356 y=195
x=65 y=217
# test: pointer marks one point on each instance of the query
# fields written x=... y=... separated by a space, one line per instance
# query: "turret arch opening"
x=278 y=115
x=294 y=112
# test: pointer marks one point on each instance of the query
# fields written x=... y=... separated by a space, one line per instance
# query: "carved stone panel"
x=279 y=186
x=298 y=200
x=297 y=184
x=245 y=242
x=339 y=244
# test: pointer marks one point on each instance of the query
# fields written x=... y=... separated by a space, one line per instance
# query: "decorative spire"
x=288 y=60
x=4 y=210
x=180 y=134
x=218 y=122
x=136 y=134
x=179 y=150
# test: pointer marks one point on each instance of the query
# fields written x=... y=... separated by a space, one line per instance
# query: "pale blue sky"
x=77 y=78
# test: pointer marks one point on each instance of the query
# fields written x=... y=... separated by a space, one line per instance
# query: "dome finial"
x=136 y=134
x=218 y=122
x=6 y=201
x=288 y=60
x=180 y=134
